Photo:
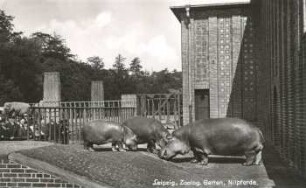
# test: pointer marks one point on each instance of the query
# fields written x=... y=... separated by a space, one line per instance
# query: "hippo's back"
x=225 y=135
x=101 y=131
x=140 y=125
x=144 y=128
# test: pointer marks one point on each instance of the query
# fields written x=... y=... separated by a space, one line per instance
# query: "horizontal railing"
x=108 y=103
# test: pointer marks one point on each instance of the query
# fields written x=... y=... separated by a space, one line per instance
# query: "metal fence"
x=64 y=123
x=167 y=108
x=108 y=103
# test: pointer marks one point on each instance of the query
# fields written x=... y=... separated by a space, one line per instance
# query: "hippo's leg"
x=250 y=158
x=197 y=156
x=125 y=147
x=120 y=146
x=204 y=159
x=114 y=146
x=258 y=158
x=151 y=147
x=87 y=145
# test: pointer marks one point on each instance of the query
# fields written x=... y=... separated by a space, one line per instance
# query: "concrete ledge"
x=54 y=170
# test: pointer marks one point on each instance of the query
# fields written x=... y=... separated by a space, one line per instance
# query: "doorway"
x=202 y=106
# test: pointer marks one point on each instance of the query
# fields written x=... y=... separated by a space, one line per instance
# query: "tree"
x=24 y=59
x=6 y=28
x=96 y=62
x=52 y=46
x=118 y=65
x=135 y=67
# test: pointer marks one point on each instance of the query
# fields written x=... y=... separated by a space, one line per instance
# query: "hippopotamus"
x=102 y=132
x=148 y=130
x=220 y=136
x=19 y=107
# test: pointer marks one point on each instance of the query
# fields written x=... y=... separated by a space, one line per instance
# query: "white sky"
x=134 y=28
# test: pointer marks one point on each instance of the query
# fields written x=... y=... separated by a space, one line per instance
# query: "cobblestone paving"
x=141 y=169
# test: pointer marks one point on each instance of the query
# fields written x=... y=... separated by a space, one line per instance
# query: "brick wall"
x=281 y=87
x=15 y=175
x=218 y=54
x=256 y=68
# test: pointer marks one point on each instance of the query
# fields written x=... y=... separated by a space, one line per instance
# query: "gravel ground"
x=141 y=169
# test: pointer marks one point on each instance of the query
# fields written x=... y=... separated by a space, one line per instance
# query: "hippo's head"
x=174 y=146
x=130 y=139
x=162 y=139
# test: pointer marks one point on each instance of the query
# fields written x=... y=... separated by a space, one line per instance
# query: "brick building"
x=219 y=76
x=281 y=43
x=248 y=60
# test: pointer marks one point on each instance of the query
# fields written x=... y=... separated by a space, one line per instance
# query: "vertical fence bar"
x=66 y=118
x=71 y=121
x=175 y=108
x=49 y=127
x=38 y=125
x=76 y=117
x=168 y=109
x=56 y=126
x=44 y=124
x=178 y=101
x=52 y=110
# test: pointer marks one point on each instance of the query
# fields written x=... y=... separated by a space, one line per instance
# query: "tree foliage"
x=23 y=60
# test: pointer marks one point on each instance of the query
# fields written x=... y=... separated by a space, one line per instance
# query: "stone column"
x=129 y=106
x=52 y=96
x=97 y=91
x=52 y=88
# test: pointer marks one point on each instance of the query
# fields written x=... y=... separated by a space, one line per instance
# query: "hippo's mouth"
x=133 y=148
x=170 y=158
x=167 y=158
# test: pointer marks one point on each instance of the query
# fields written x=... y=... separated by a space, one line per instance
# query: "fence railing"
x=83 y=104
x=64 y=124
x=167 y=108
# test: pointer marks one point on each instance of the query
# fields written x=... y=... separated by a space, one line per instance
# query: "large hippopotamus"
x=102 y=132
x=223 y=136
x=19 y=107
x=148 y=130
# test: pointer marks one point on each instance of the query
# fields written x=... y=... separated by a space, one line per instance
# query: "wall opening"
x=202 y=106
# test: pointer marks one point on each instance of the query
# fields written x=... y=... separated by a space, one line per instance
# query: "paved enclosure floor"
x=7 y=147
x=142 y=169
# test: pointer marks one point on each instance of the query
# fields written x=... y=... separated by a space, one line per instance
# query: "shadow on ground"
x=219 y=160
x=282 y=175
x=107 y=149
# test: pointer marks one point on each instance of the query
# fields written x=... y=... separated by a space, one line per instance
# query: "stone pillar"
x=129 y=105
x=52 y=96
x=52 y=87
x=97 y=91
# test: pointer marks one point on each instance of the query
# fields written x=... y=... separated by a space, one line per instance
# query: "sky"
x=133 y=28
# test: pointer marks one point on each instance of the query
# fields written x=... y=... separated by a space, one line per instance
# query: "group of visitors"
x=13 y=126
